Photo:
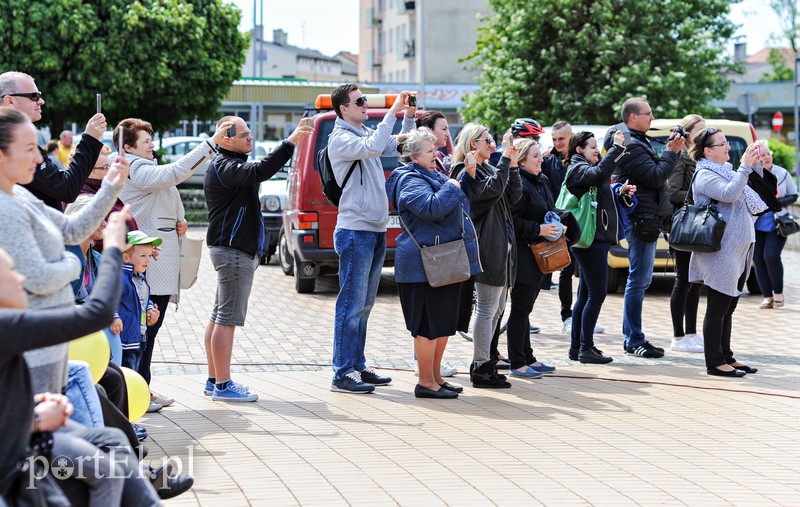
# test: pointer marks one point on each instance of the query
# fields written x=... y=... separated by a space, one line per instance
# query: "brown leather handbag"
x=551 y=255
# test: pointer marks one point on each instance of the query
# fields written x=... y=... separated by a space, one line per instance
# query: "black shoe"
x=534 y=329
x=442 y=393
x=645 y=350
x=593 y=356
x=176 y=484
x=745 y=368
x=720 y=373
x=573 y=354
x=158 y=476
x=452 y=387
x=370 y=376
x=486 y=376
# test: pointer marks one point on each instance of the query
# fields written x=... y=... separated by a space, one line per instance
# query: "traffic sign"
x=777 y=121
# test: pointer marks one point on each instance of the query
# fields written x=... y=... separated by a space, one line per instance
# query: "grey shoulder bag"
x=444 y=263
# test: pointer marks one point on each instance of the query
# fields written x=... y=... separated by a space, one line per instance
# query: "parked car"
x=739 y=134
x=272 y=194
x=178 y=146
x=305 y=245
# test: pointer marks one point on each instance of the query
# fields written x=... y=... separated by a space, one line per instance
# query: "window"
x=391 y=32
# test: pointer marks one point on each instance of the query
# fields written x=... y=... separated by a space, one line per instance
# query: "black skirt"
x=431 y=312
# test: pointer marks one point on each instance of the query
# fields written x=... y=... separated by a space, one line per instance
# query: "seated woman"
x=432 y=207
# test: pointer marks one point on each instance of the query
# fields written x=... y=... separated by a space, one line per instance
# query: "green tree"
x=780 y=69
x=580 y=59
x=788 y=13
x=161 y=60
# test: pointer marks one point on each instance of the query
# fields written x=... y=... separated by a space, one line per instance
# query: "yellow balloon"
x=93 y=349
x=138 y=394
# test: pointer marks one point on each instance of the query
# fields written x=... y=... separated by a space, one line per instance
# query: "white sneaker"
x=598 y=329
x=566 y=327
x=697 y=340
x=446 y=371
x=685 y=345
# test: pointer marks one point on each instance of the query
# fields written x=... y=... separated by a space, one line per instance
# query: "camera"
x=679 y=131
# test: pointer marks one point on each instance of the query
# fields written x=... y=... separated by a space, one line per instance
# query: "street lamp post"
x=796 y=126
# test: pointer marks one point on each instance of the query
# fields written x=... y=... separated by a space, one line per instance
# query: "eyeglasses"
x=726 y=143
x=646 y=113
x=244 y=135
x=360 y=101
x=101 y=167
x=34 y=96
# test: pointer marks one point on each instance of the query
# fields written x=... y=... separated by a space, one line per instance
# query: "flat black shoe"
x=176 y=484
x=442 y=393
x=573 y=354
x=593 y=356
x=745 y=368
x=720 y=373
x=159 y=476
x=452 y=387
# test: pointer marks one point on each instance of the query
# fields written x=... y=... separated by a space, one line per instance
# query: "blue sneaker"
x=141 y=432
x=233 y=392
x=543 y=368
x=352 y=383
x=209 y=389
x=526 y=373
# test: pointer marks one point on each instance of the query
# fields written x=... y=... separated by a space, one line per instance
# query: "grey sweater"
x=364 y=206
x=34 y=235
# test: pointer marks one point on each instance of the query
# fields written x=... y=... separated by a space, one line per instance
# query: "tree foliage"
x=579 y=60
x=161 y=60
x=780 y=68
x=788 y=12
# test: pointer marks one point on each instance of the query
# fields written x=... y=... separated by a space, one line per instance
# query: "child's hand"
x=152 y=316
x=116 y=326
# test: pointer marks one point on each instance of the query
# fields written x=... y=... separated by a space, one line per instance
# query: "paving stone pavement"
x=635 y=432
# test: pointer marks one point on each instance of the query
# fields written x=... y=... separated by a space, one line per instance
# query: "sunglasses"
x=34 y=96
x=360 y=101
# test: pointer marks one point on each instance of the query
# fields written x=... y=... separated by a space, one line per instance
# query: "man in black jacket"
x=643 y=168
x=236 y=241
x=18 y=90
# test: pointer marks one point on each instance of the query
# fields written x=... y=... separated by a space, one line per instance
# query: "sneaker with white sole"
x=209 y=389
x=233 y=392
x=351 y=383
x=598 y=329
x=685 y=344
x=566 y=326
x=154 y=407
x=698 y=340
x=444 y=370
x=162 y=400
x=646 y=350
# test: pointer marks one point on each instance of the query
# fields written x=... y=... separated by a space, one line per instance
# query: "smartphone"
x=232 y=131
x=99 y=102
x=469 y=160
x=759 y=153
x=120 y=148
x=412 y=101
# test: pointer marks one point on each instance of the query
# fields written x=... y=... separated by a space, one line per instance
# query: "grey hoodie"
x=363 y=206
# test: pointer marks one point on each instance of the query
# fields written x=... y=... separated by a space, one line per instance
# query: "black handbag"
x=696 y=228
x=787 y=224
x=444 y=263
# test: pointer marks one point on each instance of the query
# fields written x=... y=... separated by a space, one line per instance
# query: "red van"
x=305 y=244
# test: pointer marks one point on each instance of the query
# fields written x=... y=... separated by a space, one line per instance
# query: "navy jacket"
x=130 y=310
x=429 y=208
x=231 y=191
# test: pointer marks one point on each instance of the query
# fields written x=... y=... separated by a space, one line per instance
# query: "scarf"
x=725 y=171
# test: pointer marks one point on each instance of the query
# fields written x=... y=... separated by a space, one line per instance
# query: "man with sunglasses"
x=642 y=167
x=360 y=235
x=19 y=91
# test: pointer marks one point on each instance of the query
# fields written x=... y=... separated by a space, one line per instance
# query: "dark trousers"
x=114 y=418
x=466 y=304
x=685 y=297
x=113 y=382
x=565 y=288
x=523 y=297
x=592 y=290
x=767 y=258
x=494 y=351
x=717 y=326
x=147 y=352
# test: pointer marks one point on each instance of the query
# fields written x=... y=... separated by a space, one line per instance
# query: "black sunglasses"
x=360 y=101
x=34 y=96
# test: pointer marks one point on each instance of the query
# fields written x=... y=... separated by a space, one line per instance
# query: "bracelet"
x=37 y=423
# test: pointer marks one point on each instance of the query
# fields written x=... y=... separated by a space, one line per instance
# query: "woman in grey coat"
x=724 y=272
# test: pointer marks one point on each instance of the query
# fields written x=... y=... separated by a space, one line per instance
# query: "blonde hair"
x=412 y=144
x=524 y=145
x=469 y=132
x=764 y=144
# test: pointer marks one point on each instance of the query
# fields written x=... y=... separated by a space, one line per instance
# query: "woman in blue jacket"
x=431 y=207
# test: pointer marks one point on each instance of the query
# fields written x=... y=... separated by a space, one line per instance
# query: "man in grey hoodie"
x=360 y=235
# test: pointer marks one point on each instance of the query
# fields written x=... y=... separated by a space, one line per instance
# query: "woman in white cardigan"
x=156 y=205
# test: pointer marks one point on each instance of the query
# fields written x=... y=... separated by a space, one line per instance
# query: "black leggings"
x=685 y=297
x=717 y=325
x=592 y=290
x=518 y=336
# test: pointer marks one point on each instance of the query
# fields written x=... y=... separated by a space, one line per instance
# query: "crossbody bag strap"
x=689 y=199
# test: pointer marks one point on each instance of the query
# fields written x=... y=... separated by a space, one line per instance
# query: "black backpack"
x=331 y=189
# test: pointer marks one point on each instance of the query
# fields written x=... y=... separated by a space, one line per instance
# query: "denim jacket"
x=430 y=207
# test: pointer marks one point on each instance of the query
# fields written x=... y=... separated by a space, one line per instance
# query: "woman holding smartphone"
x=491 y=200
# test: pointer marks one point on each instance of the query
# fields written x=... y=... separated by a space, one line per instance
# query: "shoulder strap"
x=689 y=199
x=350 y=172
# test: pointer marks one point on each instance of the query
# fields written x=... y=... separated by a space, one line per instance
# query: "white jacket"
x=156 y=205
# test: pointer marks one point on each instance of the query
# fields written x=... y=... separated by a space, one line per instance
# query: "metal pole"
x=420 y=51
x=796 y=126
x=253 y=37
x=747 y=108
x=260 y=43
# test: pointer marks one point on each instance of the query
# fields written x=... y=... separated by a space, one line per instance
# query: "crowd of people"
x=68 y=268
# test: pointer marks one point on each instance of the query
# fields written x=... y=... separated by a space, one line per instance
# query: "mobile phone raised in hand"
x=412 y=101
x=469 y=159
x=99 y=104
x=232 y=131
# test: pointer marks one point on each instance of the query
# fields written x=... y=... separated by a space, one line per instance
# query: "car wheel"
x=284 y=257
x=612 y=284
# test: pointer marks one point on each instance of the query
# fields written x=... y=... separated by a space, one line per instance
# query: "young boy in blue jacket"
x=136 y=310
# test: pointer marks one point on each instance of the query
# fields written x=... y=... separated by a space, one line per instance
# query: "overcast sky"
x=331 y=26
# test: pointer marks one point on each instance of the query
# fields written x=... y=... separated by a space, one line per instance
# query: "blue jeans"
x=132 y=357
x=767 y=258
x=115 y=344
x=361 y=256
x=642 y=258
x=83 y=396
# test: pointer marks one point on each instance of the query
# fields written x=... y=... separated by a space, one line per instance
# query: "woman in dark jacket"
x=584 y=172
x=529 y=227
x=491 y=200
x=432 y=208
x=685 y=296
